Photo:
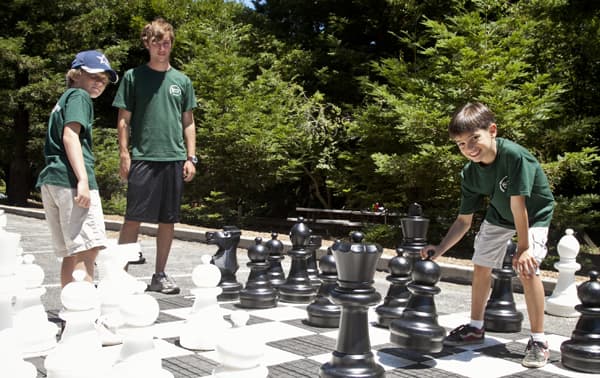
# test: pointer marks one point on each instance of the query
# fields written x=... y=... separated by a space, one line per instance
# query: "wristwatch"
x=193 y=159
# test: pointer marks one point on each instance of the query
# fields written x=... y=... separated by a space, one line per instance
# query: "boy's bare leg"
x=80 y=261
x=129 y=232
x=480 y=290
x=534 y=299
x=164 y=239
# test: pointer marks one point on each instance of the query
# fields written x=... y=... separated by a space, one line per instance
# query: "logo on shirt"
x=503 y=184
x=175 y=90
x=56 y=108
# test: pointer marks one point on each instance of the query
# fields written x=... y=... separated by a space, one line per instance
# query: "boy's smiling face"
x=478 y=146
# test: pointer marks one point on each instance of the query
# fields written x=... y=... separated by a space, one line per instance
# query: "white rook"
x=564 y=298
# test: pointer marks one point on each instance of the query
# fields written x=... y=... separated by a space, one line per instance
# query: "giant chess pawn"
x=563 y=300
x=138 y=358
x=311 y=263
x=322 y=312
x=398 y=295
x=582 y=351
x=11 y=359
x=258 y=292
x=78 y=352
x=205 y=324
x=298 y=288
x=501 y=314
x=226 y=260
x=275 y=273
x=418 y=328
x=356 y=263
x=36 y=333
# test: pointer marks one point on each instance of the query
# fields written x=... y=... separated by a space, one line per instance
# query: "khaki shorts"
x=490 y=244
x=74 y=229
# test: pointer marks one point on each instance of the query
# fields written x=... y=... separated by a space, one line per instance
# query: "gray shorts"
x=74 y=229
x=490 y=244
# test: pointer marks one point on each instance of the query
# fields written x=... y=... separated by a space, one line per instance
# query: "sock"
x=476 y=323
x=541 y=337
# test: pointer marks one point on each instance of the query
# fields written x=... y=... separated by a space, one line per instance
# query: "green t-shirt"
x=157 y=101
x=75 y=105
x=514 y=172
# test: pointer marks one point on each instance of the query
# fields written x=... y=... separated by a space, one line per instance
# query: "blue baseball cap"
x=93 y=61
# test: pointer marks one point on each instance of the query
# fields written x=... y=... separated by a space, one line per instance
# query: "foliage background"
x=329 y=103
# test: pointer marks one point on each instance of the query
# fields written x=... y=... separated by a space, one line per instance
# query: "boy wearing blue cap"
x=67 y=182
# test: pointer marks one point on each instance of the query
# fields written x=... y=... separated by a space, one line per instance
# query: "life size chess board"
x=294 y=349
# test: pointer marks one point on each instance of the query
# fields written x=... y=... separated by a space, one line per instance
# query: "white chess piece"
x=240 y=357
x=139 y=309
x=79 y=351
x=36 y=333
x=564 y=298
x=11 y=361
x=9 y=284
x=205 y=324
x=138 y=358
x=115 y=283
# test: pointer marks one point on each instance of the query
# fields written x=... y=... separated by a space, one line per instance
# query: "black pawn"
x=582 y=351
x=398 y=295
x=258 y=292
x=418 y=329
x=298 y=288
x=501 y=313
x=275 y=273
x=311 y=263
x=322 y=312
x=226 y=260
x=356 y=265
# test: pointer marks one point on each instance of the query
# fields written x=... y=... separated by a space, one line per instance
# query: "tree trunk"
x=19 y=180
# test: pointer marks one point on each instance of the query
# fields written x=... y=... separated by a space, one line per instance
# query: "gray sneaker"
x=536 y=354
x=163 y=284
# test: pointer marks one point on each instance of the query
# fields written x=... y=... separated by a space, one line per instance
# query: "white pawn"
x=36 y=333
x=564 y=298
x=139 y=309
x=205 y=324
x=79 y=351
x=139 y=359
x=240 y=357
x=11 y=362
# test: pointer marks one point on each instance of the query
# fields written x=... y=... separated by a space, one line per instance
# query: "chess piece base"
x=580 y=357
x=351 y=366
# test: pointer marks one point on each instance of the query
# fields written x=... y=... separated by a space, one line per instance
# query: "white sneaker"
x=107 y=336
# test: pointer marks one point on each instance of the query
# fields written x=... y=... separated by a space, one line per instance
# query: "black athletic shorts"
x=154 y=191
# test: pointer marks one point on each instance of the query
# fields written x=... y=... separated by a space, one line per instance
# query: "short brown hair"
x=156 y=31
x=472 y=116
x=72 y=75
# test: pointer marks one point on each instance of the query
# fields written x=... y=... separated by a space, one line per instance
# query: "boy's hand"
x=425 y=252
x=189 y=170
x=525 y=264
x=82 y=199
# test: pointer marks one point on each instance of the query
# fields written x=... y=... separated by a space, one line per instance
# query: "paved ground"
x=186 y=253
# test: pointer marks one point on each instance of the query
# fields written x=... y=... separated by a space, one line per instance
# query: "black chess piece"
x=501 y=314
x=258 y=292
x=275 y=272
x=414 y=233
x=322 y=312
x=226 y=260
x=398 y=295
x=356 y=263
x=582 y=351
x=297 y=287
x=418 y=329
x=311 y=263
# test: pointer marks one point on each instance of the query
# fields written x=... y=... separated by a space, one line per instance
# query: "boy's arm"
x=189 y=136
x=75 y=155
x=459 y=228
x=123 y=120
x=523 y=261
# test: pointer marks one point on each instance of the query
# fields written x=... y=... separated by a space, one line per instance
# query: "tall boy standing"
x=157 y=145
x=520 y=201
